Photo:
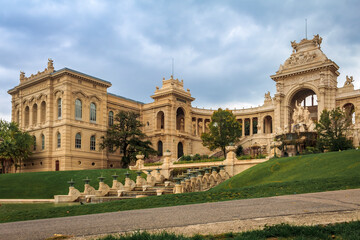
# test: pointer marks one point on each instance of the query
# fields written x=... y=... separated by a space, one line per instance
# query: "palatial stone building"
x=67 y=112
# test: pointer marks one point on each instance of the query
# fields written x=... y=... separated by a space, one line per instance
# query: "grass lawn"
x=345 y=164
x=44 y=185
x=349 y=230
x=302 y=174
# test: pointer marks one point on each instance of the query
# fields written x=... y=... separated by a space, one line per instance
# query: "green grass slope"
x=44 y=185
x=305 y=168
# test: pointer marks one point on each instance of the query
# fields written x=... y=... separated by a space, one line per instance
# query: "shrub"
x=177 y=171
x=239 y=151
x=196 y=157
x=244 y=157
x=311 y=150
x=185 y=158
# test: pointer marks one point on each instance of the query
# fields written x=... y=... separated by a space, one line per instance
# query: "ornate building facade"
x=67 y=112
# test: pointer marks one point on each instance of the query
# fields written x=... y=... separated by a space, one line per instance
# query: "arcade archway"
x=306 y=98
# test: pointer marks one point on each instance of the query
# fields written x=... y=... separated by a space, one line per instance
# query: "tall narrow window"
x=42 y=142
x=43 y=112
x=78 y=140
x=111 y=118
x=78 y=109
x=34 y=116
x=59 y=107
x=34 y=139
x=59 y=140
x=92 y=143
x=160 y=148
x=92 y=112
x=26 y=119
x=18 y=117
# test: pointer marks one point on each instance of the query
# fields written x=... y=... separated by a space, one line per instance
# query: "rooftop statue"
x=349 y=81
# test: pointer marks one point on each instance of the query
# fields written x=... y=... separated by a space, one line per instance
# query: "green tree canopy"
x=223 y=131
x=15 y=145
x=331 y=129
x=125 y=134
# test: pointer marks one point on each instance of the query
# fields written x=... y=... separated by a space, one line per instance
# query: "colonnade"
x=200 y=125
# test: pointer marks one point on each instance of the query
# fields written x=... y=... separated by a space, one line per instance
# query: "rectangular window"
x=78 y=140
x=92 y=143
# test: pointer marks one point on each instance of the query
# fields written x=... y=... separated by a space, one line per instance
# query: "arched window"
x=160 y=120
x=43 y=112
x=34 y=116
x=160 y=148
x=78 y=109
x=58 y=140
x=26 y=119
x=92 y=112
x=42 y=142
x=349 y=110
x=111 y=118
x=78 y=140
x=59 y=108
x=34 y=139
x=180 y=119
x=180 y=150
x=92 y=143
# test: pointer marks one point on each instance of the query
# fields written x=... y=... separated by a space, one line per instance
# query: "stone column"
x=251 y=126
x=197 y=127
x=243 y=127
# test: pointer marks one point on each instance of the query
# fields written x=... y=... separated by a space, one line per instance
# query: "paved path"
x=326 y=205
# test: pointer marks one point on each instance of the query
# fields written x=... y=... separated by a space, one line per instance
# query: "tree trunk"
x=224 y=151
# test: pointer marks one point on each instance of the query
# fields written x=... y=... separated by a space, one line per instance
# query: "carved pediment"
x=95 y=98
x=58 y=92
x=80 y=94
x=42 y=96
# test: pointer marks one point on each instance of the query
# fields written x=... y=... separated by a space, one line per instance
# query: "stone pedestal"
x=103 y=189
x=88 y=190
x=229 y=162
x=140 y=181
x=178 y=188
x=129 y=184
x=117 y=185
x=165 y=168
x=72 y=196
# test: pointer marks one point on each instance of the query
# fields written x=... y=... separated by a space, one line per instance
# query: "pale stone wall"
x=170 y=118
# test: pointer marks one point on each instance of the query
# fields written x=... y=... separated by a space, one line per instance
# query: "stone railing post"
x=165 y=168
x=229 y=162
x=139 y=162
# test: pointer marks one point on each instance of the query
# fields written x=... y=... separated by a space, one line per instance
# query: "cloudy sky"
x=224 y=51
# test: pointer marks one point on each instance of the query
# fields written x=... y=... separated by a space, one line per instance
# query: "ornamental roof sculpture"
x=305 y=54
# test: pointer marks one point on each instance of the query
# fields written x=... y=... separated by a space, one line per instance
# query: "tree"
x=223 y=131
x=126 y=134
x=15 y=145
x=331 y=130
